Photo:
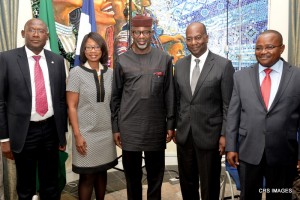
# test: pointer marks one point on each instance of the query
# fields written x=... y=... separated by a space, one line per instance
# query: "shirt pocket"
x=157 y=84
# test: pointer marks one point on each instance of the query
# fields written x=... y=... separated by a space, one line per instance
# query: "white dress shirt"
x=193 y=63
x=43 y=63
x=275 y=76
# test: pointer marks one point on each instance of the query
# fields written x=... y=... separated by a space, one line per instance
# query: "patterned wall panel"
x=232 y=25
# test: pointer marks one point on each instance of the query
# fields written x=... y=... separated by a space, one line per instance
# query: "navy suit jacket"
x=16 y=96
x=257 y=130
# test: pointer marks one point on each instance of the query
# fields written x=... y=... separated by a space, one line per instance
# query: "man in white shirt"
x=33 y=115
x=203 y=83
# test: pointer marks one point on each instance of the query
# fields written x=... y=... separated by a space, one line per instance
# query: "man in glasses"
x=263 y=121
x=33 y=112
x=143 y=109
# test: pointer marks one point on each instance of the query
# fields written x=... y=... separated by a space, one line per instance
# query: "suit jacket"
x=16 y=96
x=204 y=112
x=258 y=130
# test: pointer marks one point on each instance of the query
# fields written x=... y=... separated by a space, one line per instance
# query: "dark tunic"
x=143 y=100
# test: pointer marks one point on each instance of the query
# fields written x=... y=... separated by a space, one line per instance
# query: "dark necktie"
x=41 y=104
x=266 y=87
x=195 y=75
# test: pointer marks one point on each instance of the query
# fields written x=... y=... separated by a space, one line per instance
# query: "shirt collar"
x=202 y=57
x=87 y=65
x=29 y=53
x=277 y=67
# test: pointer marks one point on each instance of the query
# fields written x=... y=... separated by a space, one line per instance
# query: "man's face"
x=141 y=37
x=196 y=39
x=268 y=49
x=36 y=35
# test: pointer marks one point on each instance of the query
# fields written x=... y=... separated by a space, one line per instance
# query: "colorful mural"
x=232 y=25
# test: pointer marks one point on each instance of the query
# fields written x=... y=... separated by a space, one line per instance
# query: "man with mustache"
x=143 y=109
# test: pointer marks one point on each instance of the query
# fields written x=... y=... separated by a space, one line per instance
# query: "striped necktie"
x=41 y=104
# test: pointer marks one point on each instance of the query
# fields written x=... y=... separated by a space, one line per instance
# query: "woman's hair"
x=102 y=44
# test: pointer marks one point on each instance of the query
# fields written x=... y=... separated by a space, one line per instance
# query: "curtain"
x=8 y=24
x=294 y=37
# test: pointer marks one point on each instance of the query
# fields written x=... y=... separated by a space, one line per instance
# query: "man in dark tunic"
x=143 y=109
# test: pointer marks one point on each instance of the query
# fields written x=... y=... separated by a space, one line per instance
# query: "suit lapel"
x=24 y=67
x=285 y=78
x=187 y=75
x=254 y=76
x=51 y=70
x=209 y=63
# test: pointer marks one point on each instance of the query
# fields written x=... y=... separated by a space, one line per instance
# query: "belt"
x=44 y=121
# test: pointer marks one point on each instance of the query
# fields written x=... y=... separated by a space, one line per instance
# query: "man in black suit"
x=263 y=121
x=203 y=83
x=33 y=115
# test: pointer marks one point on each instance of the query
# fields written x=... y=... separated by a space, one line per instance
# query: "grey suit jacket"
x=257 y=130
x=204 y=113
x=16 y=100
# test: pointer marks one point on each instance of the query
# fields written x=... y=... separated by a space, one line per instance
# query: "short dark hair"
x=274 y=32
x=102 y=44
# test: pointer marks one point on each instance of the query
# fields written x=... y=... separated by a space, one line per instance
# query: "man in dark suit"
x=203 y=83
x=33 y=115
x=263 y=121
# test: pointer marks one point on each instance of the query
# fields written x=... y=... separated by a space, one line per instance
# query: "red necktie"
x=266 y=87
x=41 y=104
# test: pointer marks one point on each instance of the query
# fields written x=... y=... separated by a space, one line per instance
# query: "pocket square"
x=158 y=73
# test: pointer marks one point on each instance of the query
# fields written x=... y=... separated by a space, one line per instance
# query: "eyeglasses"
x=138 y=33
x=267 y=48
x=90 y=48
x=38 y=31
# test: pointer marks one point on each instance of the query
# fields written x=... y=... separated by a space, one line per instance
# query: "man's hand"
x=298 y=166
x=62 y=148
x=170 y=135
x=5 y=146
x=222 y=145
x=117 y=139
x=233 y=159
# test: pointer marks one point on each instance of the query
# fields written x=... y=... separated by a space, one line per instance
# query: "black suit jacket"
x=205 y=111
x=258 y=130
x=16 y=96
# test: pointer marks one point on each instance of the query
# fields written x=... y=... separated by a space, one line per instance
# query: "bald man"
x=33 y=114
x=203 y=84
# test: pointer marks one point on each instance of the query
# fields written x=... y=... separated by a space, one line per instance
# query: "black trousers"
x=155 y=167
x=194 y=163
x=279 y=180
x=40 y=149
